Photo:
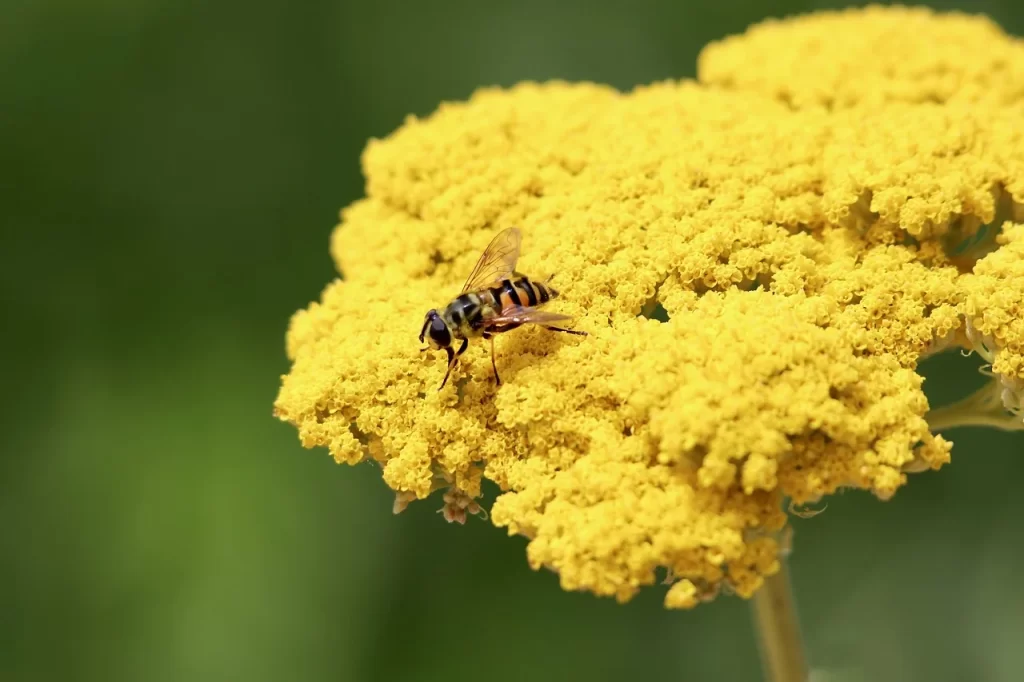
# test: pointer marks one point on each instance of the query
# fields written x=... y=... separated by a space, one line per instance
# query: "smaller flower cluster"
x=994 y=317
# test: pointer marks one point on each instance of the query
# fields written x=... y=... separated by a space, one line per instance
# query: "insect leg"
x=567 y=331
x=452 y=359
x=497 y=379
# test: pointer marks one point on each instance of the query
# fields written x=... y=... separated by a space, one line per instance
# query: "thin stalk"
x=943 y=420
x=984 y=407
x=778 y=628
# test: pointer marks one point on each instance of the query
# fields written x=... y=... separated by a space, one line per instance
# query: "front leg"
x=453 y=359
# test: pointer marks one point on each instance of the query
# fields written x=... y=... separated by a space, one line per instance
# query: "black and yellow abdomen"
x=522 y=293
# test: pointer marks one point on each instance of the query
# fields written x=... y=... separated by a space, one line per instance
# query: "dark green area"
x=169 y=176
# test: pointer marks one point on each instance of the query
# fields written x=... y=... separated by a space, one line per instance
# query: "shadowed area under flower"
x=804 y=249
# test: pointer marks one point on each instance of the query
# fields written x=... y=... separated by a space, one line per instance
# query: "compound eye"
x=439 y=333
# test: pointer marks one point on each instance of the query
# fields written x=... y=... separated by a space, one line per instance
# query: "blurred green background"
x=170 y=174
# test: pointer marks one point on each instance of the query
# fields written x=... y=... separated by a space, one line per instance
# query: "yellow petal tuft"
x=872 y=56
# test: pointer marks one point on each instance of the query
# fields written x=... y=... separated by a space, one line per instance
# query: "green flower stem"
x=778 y=629
x=984 y=407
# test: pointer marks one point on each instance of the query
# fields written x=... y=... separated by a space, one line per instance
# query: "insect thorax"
x=467 y=313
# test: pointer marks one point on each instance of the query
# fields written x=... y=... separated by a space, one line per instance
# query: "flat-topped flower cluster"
x=760 y=257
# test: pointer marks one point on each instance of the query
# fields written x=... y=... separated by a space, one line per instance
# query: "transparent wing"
x=498 y=260
x=521 y=315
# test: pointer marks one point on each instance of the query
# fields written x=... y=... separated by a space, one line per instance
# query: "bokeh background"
x=170 y=173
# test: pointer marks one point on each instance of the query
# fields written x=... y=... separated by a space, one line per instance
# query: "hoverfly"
x=495 y=299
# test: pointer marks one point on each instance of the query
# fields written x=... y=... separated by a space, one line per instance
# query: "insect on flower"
x=495 y=299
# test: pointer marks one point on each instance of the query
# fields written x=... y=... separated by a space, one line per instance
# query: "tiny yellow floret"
x=761 y=258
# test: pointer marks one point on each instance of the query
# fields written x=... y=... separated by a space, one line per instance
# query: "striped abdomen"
x=521 y=292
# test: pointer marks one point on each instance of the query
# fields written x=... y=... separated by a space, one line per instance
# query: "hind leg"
x=567 y=331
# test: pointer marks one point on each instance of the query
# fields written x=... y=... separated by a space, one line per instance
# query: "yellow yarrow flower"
x=760 y=259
